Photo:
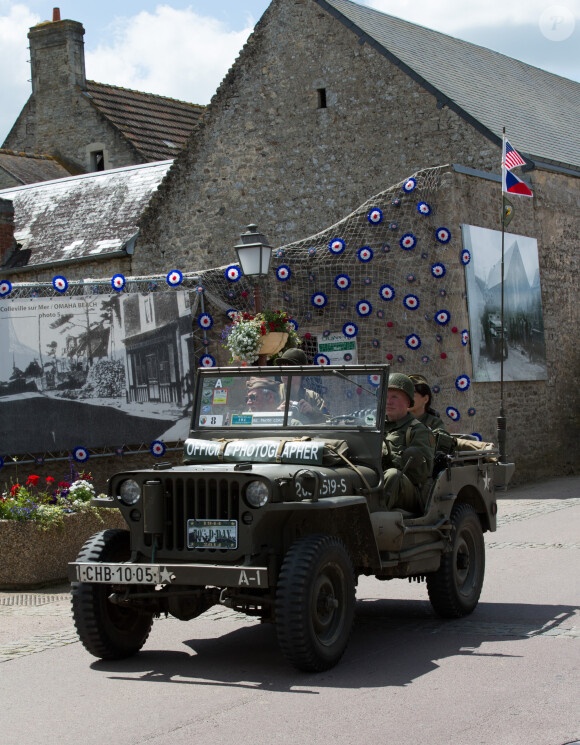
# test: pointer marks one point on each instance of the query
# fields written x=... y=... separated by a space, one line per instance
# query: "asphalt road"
x=508 y=674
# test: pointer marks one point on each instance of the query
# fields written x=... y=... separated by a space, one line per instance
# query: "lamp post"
x=254 y=256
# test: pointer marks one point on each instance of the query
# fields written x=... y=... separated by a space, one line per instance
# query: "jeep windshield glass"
x=277 y=400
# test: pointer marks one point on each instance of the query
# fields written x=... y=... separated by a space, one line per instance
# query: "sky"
x=183 y=49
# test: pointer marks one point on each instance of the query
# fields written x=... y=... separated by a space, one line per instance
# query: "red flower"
x=263 y=329
x=32 y=480
x=244 y=293
x=49 y=481
x=14 y=490
x=272 y=326
x=308 y=335
x=63 y=485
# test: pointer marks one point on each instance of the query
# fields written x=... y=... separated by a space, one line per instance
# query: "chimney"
x=57 y=55
x=7 y=242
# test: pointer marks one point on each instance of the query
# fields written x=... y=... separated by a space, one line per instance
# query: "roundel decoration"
x=233 y=273
x=206 y=360
x=408 y=241
x=471 y=411
x=443 y=235
x=292 y=322
x=438 y=270
x=174 y=278
x=423 y=208
x=409 y=185
x=350 y=329
x=413 y=341
x=442 y=317
x=453 y=413
x=5 y=288
x=319 y=300
x=374 y=380
x=464 y=337
x=321 y=359
x=342 y=281
x=157 y=448
x=283 y=272
x=347 y=357
x=365 y=254
x=1 y=462
x=465 y=257
x=118 y=282
x=205 y=321
x=411 y=302
x=375 y=216
x=80 y=454
x=60 y=284
x=393 y=226
x=364 y=308
x=387 y=292
x=231 y=313
x=336 y=246
x=477 y=436
x=462 y=382
x=312 y=251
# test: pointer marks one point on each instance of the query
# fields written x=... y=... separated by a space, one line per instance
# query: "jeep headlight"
x=129 y=491
x=257 y=494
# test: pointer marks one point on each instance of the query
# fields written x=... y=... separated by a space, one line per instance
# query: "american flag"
x=511 y=157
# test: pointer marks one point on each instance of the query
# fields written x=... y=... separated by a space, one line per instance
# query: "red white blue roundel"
x=336 y=246
x=118 y=282
x=5 y=288
x=350 y=329
x=464 y=337
x=321 y=359
x=174 y=278
x=312 y=251
x=319 y=300
x=462 y=382
x=411 y=302
x=471 y=411
x=233 y=273
x=408 y=241
x=438 y=270
x=364 y=308
x=80 y=454
x=283 y=272
x=231 y=313
x=375 y=216
x=374 y=379
x=292 y=322
x=409 y=185
x=477 y=436
x=157 y=448
x=453 y=413
x=206 y=360
x=443 y=235
x=442 y=317
x=465 y=257
x=205 y=321
x=387 y=292
x=60 y=284
x=413 y=341
x=423 y=208
x=365 y=254
x=342 y=281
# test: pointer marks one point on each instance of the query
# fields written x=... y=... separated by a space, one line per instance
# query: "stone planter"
x=273 y=342
x=31 y=557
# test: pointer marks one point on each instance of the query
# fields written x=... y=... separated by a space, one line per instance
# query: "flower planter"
x=31 y=556
x=273 y=342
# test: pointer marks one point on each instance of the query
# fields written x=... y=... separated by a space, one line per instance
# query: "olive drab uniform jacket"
x=433 y=421
x=404 y=433
x=319 y=411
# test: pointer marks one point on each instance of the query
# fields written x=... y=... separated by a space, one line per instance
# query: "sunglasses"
x=251 y=397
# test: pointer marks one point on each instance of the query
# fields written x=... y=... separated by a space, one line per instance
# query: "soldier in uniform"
x=310 y=407
x=422 y=409
x=405 y=477
x=263 y=394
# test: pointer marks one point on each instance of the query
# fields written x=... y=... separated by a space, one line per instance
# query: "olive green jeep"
x=276 y=511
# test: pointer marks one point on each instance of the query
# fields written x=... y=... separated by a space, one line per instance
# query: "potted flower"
x=250 y=335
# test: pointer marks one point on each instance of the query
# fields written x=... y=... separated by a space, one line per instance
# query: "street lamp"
x=254 y=256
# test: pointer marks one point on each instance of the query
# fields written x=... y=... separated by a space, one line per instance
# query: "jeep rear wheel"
x=107 y=631
x=315 y=602
x=454 y=589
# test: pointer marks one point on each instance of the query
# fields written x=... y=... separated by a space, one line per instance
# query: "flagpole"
x=501 y=420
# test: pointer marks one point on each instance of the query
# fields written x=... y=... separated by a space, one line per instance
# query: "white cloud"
x=175 y=53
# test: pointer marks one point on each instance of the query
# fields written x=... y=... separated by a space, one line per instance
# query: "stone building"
x=88 y=126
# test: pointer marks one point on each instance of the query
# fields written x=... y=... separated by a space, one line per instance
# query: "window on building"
x=321 y=98
x=97 y=160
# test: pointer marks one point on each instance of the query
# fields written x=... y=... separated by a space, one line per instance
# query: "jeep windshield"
x=290 y=397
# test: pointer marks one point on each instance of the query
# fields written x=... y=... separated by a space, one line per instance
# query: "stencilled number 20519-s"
x=328 y=487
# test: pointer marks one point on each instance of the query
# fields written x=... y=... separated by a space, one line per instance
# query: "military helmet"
x=403 y=383
x=292 y=356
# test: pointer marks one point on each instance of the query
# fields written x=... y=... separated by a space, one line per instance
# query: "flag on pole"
x=513 y=185
x=511 y=157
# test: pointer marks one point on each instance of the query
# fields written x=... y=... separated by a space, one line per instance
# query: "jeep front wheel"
x=454 y=589
x=107 y=631
x=315 y=602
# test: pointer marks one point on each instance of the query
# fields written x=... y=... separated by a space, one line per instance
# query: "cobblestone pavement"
x=53 y=603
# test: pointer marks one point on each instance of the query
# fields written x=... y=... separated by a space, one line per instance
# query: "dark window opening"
x=321 y=98
x=98 y=160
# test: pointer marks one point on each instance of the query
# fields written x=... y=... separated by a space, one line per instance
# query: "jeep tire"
x=315 y=601
x=106 y=630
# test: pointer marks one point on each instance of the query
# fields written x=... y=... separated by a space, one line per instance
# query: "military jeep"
x=276 y=513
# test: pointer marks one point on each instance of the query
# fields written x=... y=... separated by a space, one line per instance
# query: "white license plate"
x=119 y=574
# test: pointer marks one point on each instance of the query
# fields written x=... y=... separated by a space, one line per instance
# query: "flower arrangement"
x=243 y=337
x=46 y=501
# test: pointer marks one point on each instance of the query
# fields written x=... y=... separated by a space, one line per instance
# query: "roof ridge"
x=23 y=154
x=144 y=93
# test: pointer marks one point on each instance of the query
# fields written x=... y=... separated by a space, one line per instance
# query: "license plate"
x=212 y=533
x=119 y=574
